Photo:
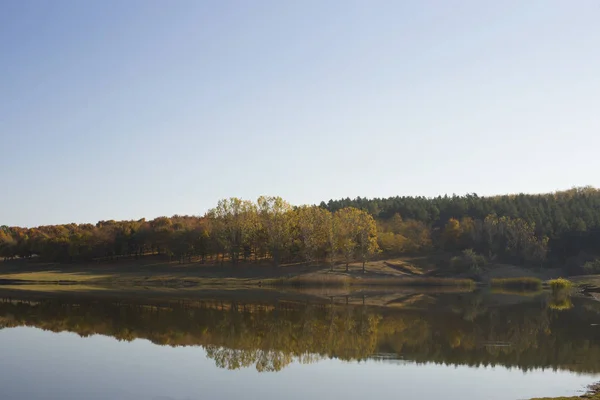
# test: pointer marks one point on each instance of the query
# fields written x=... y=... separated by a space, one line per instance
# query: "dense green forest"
x=446 y=328
x=562 y=227
x=555 y=229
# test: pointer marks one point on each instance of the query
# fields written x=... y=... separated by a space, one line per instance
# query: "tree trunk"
x=364 y=262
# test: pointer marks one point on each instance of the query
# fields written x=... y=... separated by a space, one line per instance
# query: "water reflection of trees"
x=459 y=329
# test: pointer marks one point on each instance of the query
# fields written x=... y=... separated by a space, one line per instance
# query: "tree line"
x=562 y=228
x=537 y=230
x=234 y=230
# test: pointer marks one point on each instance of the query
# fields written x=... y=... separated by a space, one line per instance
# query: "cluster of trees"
x=562 y=227
x=272 y=227
x=512 y=240
x=522 y=228
x=448 y=328
x=592 y=267
x=106 y=239
x=236 y=229
x=497 y=238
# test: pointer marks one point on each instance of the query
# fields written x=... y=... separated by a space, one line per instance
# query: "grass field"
x=52 y=276
x=154 y=271
x=47 y=288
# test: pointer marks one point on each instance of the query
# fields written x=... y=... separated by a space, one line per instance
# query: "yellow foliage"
x=391 y=242
x=452 y=233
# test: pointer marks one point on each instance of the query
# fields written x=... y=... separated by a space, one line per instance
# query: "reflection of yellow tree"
x=561 y=304
x=265 y=361
x=274 y=340
x=560 y=300
x=404 y=330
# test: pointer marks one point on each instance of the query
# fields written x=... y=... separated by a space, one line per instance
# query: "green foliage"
x=520 y=284
x=592 y=267
x=530 y=230
x=468 y=261
x=557 y=225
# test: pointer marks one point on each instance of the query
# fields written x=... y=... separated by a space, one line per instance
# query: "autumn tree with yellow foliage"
x=313 y=225
x=356 y=235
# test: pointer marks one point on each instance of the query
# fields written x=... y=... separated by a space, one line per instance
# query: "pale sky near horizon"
x=140 y=108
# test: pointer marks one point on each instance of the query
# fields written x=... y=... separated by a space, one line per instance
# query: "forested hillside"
x=552 y=229
x=561 y=227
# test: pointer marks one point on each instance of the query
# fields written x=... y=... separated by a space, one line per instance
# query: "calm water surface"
x=409 y=346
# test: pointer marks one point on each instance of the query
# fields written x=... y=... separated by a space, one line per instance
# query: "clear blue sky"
x=140 y=108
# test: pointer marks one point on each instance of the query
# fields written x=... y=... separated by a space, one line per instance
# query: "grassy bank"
x=343 y=280
x=160 y=272
x=316 y=280
x=157 y=272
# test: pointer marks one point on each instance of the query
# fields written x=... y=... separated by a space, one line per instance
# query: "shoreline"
x=592 y=393
x=154 y=272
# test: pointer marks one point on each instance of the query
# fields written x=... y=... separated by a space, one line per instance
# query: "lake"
x=269 y=345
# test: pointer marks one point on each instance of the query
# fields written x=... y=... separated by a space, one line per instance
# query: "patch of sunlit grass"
x=560 y=284
x=53 y=288
x=52 y=276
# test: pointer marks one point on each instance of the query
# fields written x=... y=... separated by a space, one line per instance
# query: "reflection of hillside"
x=454 y=329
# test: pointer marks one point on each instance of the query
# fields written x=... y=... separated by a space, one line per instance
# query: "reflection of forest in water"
x=460 y=329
